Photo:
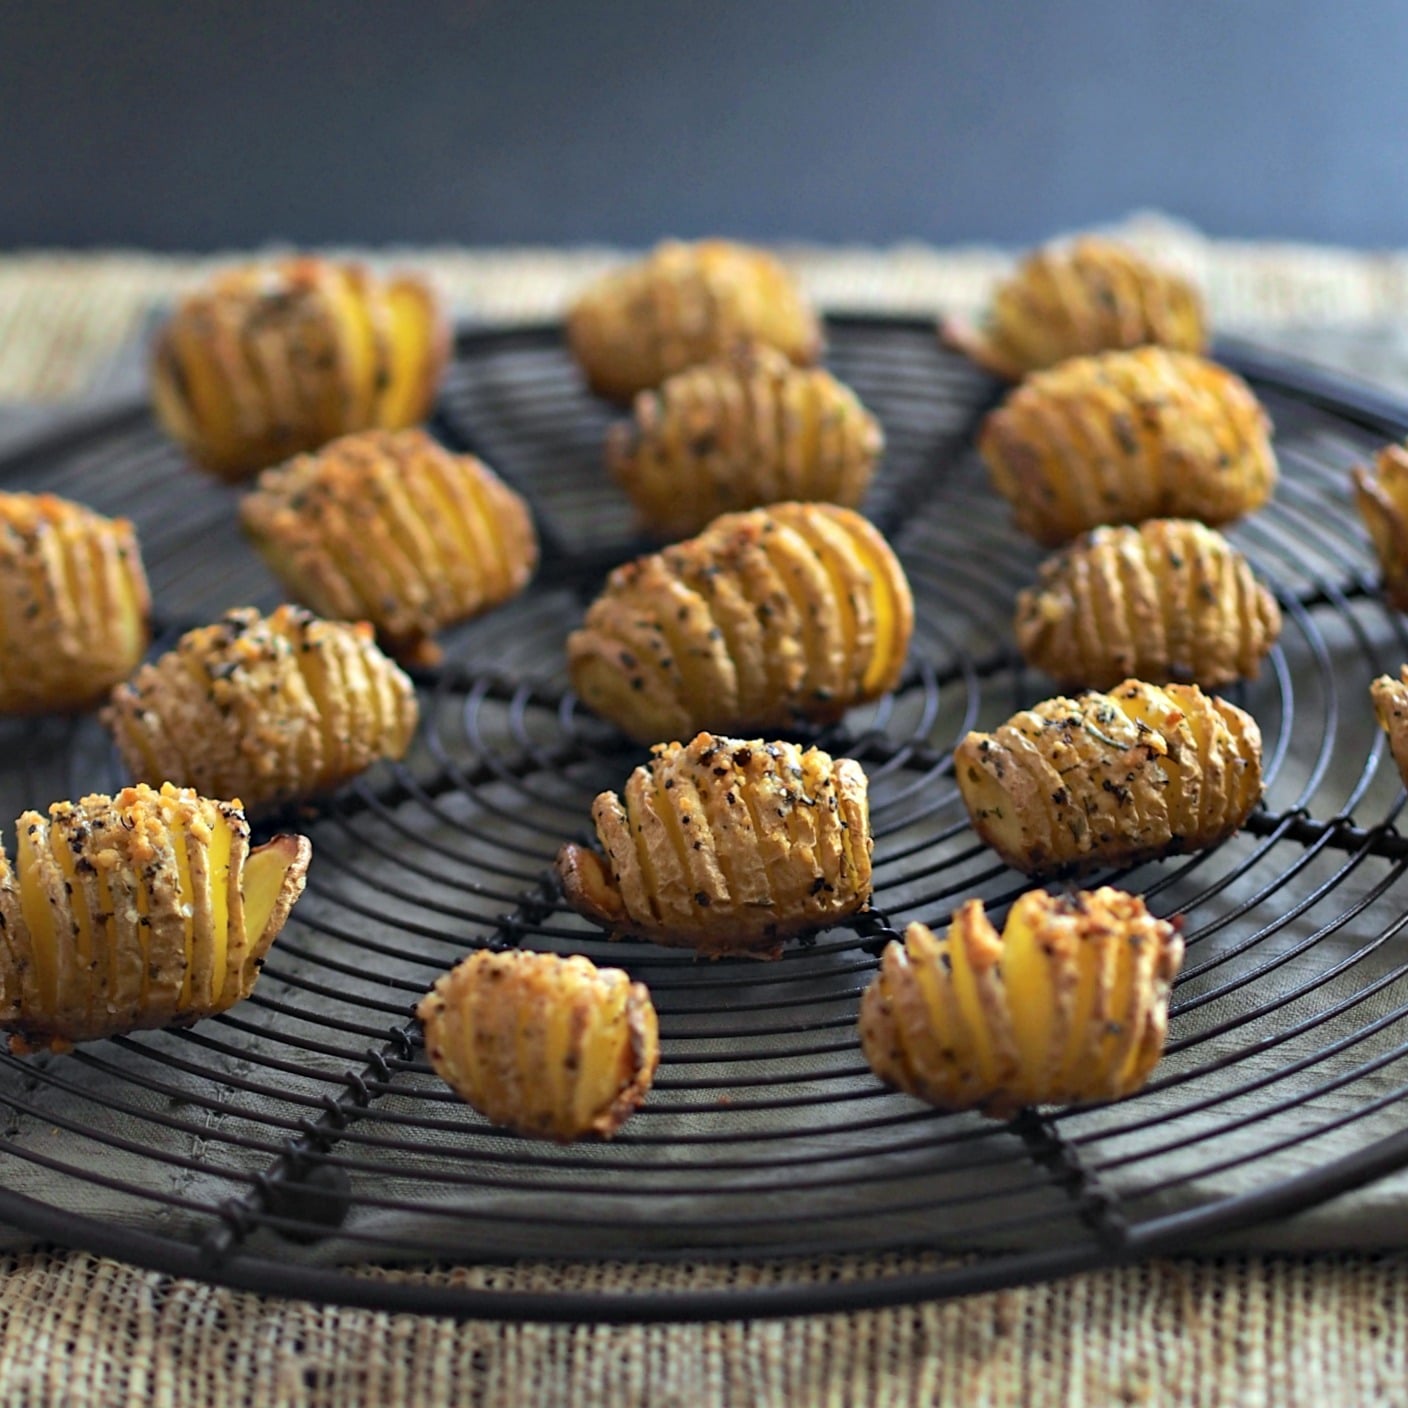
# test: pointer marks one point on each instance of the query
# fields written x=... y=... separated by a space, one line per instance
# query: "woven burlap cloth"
x=80 y=1330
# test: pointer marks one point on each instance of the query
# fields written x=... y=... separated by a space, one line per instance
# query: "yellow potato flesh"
x=39 y=920
x=1026 y=974
x=220 y=842
x=186 y=902
x=410 y=345
x=260 y=885
x=965 y=988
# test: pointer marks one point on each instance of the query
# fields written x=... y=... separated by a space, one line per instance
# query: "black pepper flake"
x=701 y=899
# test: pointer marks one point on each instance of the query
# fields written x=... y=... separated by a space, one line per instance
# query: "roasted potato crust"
x=271 y=709
x=1126 y=436
x=1111 y=779
x=745 y=430
x=554 y=1048
x=392 y=528
x=682 y=304
x=726 y=845
x=798 y=611
x=147 y=909
x=1382 y=495
x=1170 y=599
x=1390 y=698
x=74 y=604
x=1070 y=1004
x=1072 y=300
x=272 y=359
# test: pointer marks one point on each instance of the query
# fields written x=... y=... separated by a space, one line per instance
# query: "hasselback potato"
x=1170 y=599
x=682 y=304
x=1127 y=436
x=726 y=845
x=147 y=909
x=798 y=611
x=1071 y=300
x=394 y=529
x=552 y=1047
x=1390 y=698
x=268 y=360
x=1382 y=496
x=1111 y=779
x=74 y=604
x=1069 y=1004
x=744 y=430
x=269 y=709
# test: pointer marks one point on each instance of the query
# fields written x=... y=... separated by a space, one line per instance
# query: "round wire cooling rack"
x=278 y=1145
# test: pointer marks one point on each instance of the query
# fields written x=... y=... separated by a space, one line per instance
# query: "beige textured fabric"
x=77 y=1330
x=91 y=1333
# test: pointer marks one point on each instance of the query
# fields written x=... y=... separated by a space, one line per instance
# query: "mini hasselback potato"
x=1390 y=697
x=147 y=909
x=269 y=709
x=554 y=1048
x=392 y=528
x=1126 y=436
x=726 y=845
x=1069 y=1004
x=747 y=429
x=271 y=359
x=797 y=611
x=1111 y=779
x=74 y=604
x=1071 y=300
x=1382 y=496
x=1170 y=599
x=682 y=304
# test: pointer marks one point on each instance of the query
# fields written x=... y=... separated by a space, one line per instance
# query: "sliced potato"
x=135 y=911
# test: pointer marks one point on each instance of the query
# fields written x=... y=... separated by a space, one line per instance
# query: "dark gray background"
x=197 y=126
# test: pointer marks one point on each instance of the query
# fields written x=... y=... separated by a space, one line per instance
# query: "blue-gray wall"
x=196 y=125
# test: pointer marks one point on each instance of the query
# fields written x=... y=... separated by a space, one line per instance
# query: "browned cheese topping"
x=1111 y=779
x=1126 y=436
x=727 y=845
x=393 y=529
x=684 y=304
x=273 y=359
x=798 y=611
x=744 y=430
x=271 y=709
x=554 y=1048
x=1069 y=1004
x=1168 y=600
x=135 y=911
x=1077 y=299
x=74 y=604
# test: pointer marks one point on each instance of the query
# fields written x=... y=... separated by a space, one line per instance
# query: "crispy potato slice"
x=554 y=1048
x=726 y=845
x=1071 y=1004
x=137 y=911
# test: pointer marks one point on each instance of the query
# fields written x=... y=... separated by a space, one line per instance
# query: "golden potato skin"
x=1382 y=496
x=392 y=528
x=1111 y=779
x=682 y=304
x=742 y=431
x=1126 y=436
x=143 y=910
x=1072 y=300
x=1390 y=699
x=1170 y=599
x=272 y=359
x=726 y=845
x=74 y=604
x=797 y=611
x=272 y=709
x=1069 y=1004
x=554 y=1048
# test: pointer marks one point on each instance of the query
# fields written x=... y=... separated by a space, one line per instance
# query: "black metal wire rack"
x=277 y=1145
